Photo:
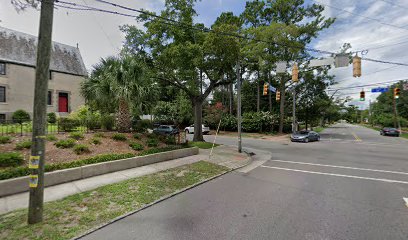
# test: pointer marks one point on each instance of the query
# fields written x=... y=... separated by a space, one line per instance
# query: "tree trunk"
x=198 y=120
x=258 y=96
x=37 y=158
x=282 y=105
x=231 y=102
x=269 y=92
x=124 y=122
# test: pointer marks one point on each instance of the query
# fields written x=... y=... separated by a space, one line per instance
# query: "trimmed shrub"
x=11 y=159
x=99 y=135
x=81 y=149
x=95 y=141
x=107 y=122
x=136 y=146
x=67 y=124
x=68 y=143
x=119 y=137
x=76 y=135
x=152 y=136
x=152 y=142
x=142 y=125
x=170 y=140
x=23 y=145
x=5 y=139
x=137 y=136
x=20 y=116
x=51 y=138
x=51 y=117
x=24 y=171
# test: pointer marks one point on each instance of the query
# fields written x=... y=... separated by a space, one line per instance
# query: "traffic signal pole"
x=294 y=125
x=239 y=117
x=395 y=111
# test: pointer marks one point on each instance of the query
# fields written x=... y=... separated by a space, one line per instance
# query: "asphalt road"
x=350 y=185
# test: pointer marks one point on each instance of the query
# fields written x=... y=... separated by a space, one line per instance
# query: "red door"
x=63 y=102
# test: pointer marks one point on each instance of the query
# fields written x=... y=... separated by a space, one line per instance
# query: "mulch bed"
x=57 y=155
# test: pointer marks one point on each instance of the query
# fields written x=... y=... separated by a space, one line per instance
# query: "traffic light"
x=356 y=66
x=265 y=89
x=397 y=92
x=277 y=95
x=362 y=96
x=295 y=73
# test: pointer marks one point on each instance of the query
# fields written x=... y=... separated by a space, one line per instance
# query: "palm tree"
x=118 y=85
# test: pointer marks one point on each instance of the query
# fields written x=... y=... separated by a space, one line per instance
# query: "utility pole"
x=36 y=161
x=294 y=125
x=394 y=103
x=239 y=117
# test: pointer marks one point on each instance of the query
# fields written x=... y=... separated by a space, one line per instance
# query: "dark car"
x=390 y=132
x=305 y=136
x=166 y=130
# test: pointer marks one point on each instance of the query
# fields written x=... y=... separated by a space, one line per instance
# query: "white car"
x=190 y=129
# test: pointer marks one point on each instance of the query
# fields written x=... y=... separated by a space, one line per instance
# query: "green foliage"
x=81 y=149
x=229 y=122
x=141 y=126
x=258 y=122
x=76 y=135
x=51 y=138
x=95 y=141
x=52 y=117
x=202 y=145
x=170 y=140
x=67 y=124
x=213 y=114
x=20 y=116
x=152 y=142
x=136 y=146
x=137 y=136
x=23 y=145
x=5 y=139
x=67 y=143
x=99 y=135
x=165 y=112
x=119 y=137
x=151 y=136
x=11 y=159
x=86 y=117
x=24 y=171
x=107 y=122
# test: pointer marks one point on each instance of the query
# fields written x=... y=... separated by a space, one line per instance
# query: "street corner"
x=229 y=156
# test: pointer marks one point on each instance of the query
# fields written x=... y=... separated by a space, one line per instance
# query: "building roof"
x=21 y=48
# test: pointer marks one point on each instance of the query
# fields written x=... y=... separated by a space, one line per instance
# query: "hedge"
x=24 y=171
x=10 y=159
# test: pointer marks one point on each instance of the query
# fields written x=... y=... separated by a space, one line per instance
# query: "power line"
x=368 y=85
x=206 y=29
x=362 y=16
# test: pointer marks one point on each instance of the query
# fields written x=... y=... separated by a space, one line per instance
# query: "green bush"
x=20 y=116
x=24 y=171
x=142 y=125
x=67 y=124
x=152 y=142
x=152 y=136
x=119 y=137
x=99 y=135
x=95 y=141
x=107 y=122
x=229 y=123
x=81 y=149
x=136 y=146
x=68 y=143
x=258 y=121
x=170 y=140
x=5 y=139
x=51 y=117
x=11 y=159
x=51 y=138
x=76 y=135
x=137 y=136
x=22 y=145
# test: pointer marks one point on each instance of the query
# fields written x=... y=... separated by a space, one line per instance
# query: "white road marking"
x=406 y=201
x=338 y=175
x=345 y=167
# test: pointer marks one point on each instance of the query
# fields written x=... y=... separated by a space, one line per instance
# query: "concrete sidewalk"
x=222 y=155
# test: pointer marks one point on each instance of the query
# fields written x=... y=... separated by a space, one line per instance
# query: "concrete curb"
x=20 y=184
x=162 y=199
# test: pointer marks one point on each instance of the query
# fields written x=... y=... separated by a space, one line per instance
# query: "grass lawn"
x=74 y=215
x=318 y=129
x=404 y=135
x=202 y=145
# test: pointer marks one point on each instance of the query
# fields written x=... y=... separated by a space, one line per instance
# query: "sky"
x=379 y=26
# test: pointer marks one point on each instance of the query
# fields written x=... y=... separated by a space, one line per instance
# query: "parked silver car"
x=190 y=129
x=305 y=136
